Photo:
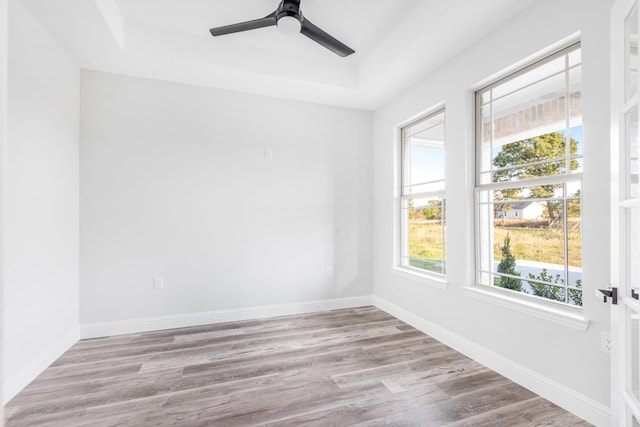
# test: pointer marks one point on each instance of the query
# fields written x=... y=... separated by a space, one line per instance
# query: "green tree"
x=507 y=265
x=575 y=295
x=543 y=290
x=433 y=210
x=573 y=206
x=536 y=155
x=552 y=292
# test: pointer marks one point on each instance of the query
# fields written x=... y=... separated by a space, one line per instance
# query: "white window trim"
x=437 y=280
x=550 y=310
x=417 y=275
x=555 y=311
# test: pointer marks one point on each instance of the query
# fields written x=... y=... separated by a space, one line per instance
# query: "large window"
x=529 y=179
x=422 y=195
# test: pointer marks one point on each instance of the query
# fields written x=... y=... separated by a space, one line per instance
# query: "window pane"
x=575 y=92
x=632 y=147
x=574 y=250
x=633 y=270
x=575 y=57
x=425 y=227
x=422 y=209
x=530 y=128
x=485 y=146
x=423 y=155
x=534 y=157
x=576 y=137
x=484 y=96
x=530 y=111
x=542 y=72
x=506 y=198
x=633 y=354
x=631 y=35
x=534 y=236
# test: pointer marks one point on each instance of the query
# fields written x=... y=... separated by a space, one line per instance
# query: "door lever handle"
x=610 y=293
x=634 y=294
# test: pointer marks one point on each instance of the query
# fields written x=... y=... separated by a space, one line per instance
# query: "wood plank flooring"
x=338 y=368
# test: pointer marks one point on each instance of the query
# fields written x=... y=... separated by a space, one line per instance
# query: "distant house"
x=522 y=210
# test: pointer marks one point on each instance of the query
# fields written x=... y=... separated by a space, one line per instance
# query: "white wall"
x=568 y=357
x=175 y=184
x=3 y=139
x=41 y=232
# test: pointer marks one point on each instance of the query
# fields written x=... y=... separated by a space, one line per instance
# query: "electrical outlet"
x=328 y=272
x=605 y=342
x=268 y=153
x=158 y=283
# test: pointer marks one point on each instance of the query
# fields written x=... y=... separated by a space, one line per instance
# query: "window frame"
x=488 y=291
x=400 y=268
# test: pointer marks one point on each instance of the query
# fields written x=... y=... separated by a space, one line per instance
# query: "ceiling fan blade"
x=267 y=21
x=325 y=39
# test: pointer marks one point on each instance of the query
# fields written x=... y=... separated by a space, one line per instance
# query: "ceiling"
x=396 y=42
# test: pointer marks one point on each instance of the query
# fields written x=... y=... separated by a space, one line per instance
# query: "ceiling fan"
x=289 y=19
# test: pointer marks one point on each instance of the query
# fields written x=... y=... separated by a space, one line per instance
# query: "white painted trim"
x=541 y=309
x=420 y=277
x=563 y=396
x=4 y=84
x=130 y=326
x=14 y=383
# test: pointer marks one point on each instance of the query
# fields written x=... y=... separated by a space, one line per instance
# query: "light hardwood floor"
x=337 y=368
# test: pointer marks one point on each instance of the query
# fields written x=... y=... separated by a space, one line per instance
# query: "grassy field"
x=529 y=241
x=426 y=241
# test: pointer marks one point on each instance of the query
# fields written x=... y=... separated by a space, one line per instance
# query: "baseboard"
x=563 y=396
x=104 y=329
x=16 y=382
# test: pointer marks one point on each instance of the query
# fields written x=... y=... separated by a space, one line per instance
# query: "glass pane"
x=575 y=57
x=485 y=143
x=526 y=195
x=485 y=177
x=533 y=252
x=536 y=156
x=633 y=386
x=484 y=96
x=634 y=250
x=423 y=151
x=426 y=227
x=525 y=121
x=575 y=91
x=576 y=141
x=530 y=77
x=485 y=236
x=534 y=237
x=530 y=127
x=530 y=111
x=575 y=97
x=576 y=165
x=574 y=250
x=632 y=148
x=631 y=35
x=511 y=169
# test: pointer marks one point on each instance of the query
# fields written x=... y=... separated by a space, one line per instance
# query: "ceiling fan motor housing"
x=289 y=8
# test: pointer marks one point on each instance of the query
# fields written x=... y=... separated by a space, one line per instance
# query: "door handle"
x=634 y=293
x=610 y=293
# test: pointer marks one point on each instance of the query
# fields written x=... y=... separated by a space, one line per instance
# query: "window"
x=529 y=179
x=422 y=203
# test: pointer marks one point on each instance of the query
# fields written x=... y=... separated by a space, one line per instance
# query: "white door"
x=625 y=218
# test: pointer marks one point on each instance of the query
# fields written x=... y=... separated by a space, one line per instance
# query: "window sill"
x=417 y=276
x=564 y=316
